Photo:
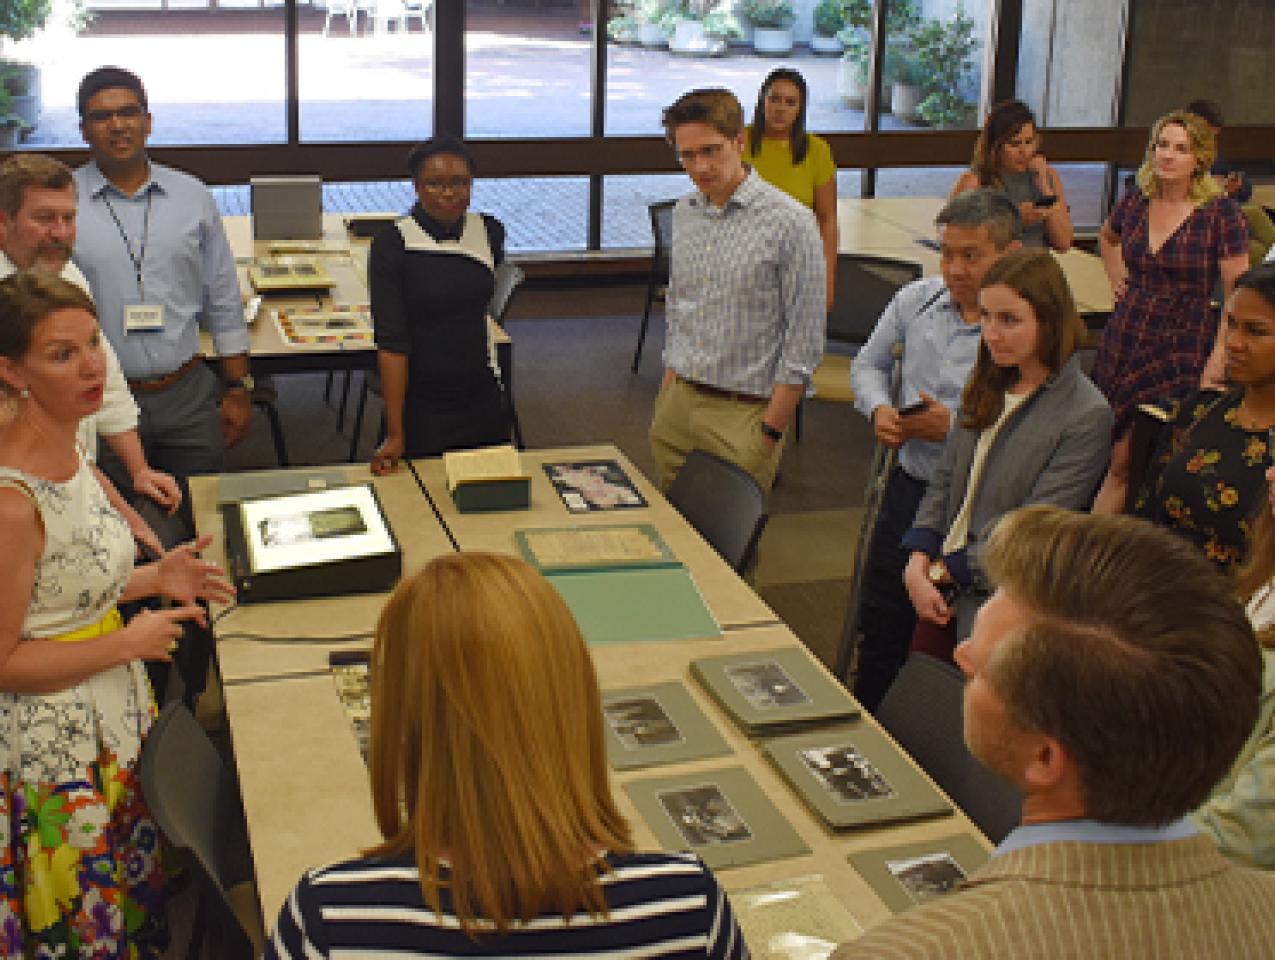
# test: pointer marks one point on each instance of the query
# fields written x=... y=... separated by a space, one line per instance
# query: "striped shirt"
x=660 y=905
x=747 y=293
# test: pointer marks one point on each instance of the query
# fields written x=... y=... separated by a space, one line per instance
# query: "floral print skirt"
x=79 y=856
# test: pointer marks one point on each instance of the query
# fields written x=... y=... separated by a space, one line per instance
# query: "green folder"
x=627 y=606
x=642 y=593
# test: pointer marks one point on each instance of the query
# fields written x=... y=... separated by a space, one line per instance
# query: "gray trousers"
x=180 y=429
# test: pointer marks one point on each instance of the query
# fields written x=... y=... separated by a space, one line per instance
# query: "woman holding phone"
x=1032 y=429
x=1007 y=156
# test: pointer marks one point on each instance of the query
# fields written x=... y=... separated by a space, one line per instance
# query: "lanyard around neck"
x=139 y=257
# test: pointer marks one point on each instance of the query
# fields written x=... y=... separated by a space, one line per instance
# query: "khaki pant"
x=689 y=419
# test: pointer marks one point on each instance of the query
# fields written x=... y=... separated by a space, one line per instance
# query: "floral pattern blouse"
x=1208 y=476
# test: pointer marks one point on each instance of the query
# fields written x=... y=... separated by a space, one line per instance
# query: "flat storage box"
x=287 y=208
x=323 y=543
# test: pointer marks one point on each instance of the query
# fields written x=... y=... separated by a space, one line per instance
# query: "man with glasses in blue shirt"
x=746 y=300
x=151 y=243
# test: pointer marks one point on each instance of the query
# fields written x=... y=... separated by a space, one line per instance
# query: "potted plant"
x=772 y=25
x=652 y=27
x=907 y=79
x=852 y=76
x=702 y=28
x=830 y=19
x=20 y=19
x=945 y=52
x=10 y=122
x=622 y=28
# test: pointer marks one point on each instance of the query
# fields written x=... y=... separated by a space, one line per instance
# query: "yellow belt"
x=109 y=623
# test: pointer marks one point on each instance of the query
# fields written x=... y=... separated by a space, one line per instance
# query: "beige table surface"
x=1264 y=193
x=731 y=600
x=891 y=226
x=302 y=626
x=307 y=799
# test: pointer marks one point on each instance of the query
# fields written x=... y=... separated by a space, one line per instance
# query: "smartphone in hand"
x=912 y=408
x=1047 y=201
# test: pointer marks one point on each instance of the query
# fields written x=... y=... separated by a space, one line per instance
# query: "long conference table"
x=303 y=780
x=903 y=227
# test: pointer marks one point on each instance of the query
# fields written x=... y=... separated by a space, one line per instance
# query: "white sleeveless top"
x=88 y=552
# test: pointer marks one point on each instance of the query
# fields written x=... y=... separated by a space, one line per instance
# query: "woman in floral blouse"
x=1209 y=480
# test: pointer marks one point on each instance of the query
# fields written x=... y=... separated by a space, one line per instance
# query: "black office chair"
x=266 y=396
x=661 y=214
x=193 y=799
x=508 y=279
x=866 y=284
x=922 y=711
x=723 y=503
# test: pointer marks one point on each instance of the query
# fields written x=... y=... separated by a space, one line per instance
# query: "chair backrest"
x=662 y=234
x=922 y=711
x=509 y=277
x=191 y=797
x=865 y=286
x=723 y=503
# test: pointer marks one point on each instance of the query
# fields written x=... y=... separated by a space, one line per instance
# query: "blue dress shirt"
x=1092 y=831
x=186 y=266
x=939 y=349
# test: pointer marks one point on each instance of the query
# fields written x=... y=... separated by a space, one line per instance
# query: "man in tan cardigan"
x=1112 y=678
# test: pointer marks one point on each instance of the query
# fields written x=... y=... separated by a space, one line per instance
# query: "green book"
x=722 y=815
x=854 y=776
x=657 y=723
x=487 y=479
x=770 y=692
x=913 y=873
x=622 y=582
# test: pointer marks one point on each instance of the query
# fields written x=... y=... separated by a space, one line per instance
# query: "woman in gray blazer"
x=1032 y=429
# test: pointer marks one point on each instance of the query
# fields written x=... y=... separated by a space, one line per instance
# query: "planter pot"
x=651 y=35
x=689 y=38
x=28 y=108
x=825 y=45
x=850 y=84
x=772 y=41
x=904 y=99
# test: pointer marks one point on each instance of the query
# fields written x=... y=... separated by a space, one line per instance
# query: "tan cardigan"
x=1154 y=901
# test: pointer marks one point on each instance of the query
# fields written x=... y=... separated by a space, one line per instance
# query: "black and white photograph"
x=641 y=722
x=704 y=816
x=926 y=877
x=847 y=774
x=313 y=525
x=766 y=685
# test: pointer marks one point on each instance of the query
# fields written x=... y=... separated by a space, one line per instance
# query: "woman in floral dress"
x=1210 y=480
x=79 y=872
x=1165 y=246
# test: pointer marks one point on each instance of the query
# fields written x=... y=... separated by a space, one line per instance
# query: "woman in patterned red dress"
x=1164 y=246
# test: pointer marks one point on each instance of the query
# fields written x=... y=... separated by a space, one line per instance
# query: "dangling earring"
x=24 y=393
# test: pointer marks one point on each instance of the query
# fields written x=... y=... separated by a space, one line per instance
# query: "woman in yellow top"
x=778 y=147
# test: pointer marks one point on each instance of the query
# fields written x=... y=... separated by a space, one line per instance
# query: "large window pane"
x=212 y=75
x=650 y=64
x=625 y=221
x=935 y=55
x=367 y=71
x=526 y=71
x=1069 y=61
x=1185 y=49
x=539 y=213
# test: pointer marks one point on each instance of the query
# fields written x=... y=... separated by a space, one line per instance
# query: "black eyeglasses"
x=130 y=112
x=455 y=184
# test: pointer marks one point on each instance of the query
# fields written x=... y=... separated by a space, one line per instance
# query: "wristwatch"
x=771 y=432
x=245 y=383
x=937 y=570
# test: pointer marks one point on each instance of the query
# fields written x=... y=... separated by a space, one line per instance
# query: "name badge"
x=144 y=318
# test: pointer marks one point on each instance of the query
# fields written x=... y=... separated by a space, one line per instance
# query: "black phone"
x=912 y=408
x=1048 y=201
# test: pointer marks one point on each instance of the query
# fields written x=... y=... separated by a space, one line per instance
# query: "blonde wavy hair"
x=487 y=756
x=1203 y=145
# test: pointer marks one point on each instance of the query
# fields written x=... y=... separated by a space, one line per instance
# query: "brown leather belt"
x=156 y=384
x=709 y=390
